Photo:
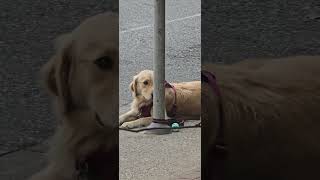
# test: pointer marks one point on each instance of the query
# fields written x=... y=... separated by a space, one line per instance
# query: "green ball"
x=175 y=125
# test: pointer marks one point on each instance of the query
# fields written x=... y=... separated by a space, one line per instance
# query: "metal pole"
x=159 y=59
x=159 y=66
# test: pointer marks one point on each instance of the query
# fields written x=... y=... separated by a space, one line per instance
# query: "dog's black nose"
x=152 y=95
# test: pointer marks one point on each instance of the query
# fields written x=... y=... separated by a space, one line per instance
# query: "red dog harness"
x=145 y=111
x=219 y=151
x=209 y=78
x=173 y=111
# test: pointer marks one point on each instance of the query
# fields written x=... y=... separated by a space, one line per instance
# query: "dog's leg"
x=128 y=116
x=142 y=122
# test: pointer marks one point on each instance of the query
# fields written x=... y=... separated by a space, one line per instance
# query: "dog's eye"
x=104 y=63
x=145 y=82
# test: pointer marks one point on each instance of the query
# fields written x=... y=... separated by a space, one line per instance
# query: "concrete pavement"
x=152 y=157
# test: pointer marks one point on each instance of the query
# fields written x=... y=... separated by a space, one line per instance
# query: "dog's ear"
x=133 y=85
x=48 y=75
x=56 y=74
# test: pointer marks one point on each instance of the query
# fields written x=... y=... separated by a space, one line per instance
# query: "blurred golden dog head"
x=83 y=72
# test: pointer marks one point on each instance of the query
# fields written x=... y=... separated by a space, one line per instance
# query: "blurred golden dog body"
x=82 y=76
x=187 y=100
x=271 y=116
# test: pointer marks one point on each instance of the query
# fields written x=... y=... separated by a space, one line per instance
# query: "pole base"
x=158 y=131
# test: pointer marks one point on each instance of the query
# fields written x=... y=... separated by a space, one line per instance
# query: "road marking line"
x=183 y=18
x=168 y=22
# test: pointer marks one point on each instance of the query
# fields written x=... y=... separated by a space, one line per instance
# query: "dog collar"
x=145 y=111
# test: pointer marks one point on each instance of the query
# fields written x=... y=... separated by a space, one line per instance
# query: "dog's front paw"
x=129 y=125
x=121 y=120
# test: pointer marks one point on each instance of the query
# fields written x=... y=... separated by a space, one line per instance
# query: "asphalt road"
x=237 y=30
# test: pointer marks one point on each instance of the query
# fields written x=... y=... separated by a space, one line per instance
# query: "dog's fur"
x=187 y=99
x=82 y=76
x=271 y=117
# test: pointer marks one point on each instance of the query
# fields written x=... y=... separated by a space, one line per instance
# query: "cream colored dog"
x=187 y=99
x=82 y=76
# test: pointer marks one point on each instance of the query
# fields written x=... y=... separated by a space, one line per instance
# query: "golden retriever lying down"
x=187 y=100
x=82 y=76
x=271 y=119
